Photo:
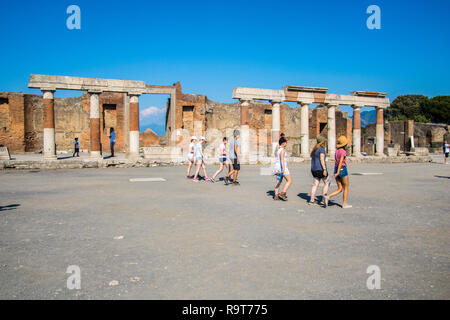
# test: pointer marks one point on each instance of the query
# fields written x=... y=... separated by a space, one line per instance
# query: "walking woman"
x=199 y=160
x=340 y=172
x=281 y=167
x=223 y=155
x=319 y=170
x=191 y=156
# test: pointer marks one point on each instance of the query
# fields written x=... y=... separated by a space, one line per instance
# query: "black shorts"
x=318 y=174
x=446 y=154
x=236 y=165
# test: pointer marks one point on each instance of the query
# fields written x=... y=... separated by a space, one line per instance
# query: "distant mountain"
x=159 y=129
x=368 y=117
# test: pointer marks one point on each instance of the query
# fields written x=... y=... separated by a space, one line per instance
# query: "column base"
x=50 y=157
x=95 y=155
x=381 y=155
x=133 y=156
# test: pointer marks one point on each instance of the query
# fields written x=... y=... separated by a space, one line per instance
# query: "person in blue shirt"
x=112 y=140
x=77 y=148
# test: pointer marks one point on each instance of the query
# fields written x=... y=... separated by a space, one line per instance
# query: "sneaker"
x=347 y=206
x=212 y=180
x=276 y=198
x=282 y=196
x=236 y=183
x=195 y=180
x=227 y=180
x=311 y=203
x=188 y=177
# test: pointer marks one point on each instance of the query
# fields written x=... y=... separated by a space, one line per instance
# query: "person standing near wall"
x=234 y=158
x=446 y=151
x=340 y=172
x=112 y=140
x=223 y=155
x=76 y=147
x=319 y=170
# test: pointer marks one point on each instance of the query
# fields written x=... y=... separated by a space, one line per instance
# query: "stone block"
x=420 y=151
x=392 y=151
x=166 y=154
x=4 y=153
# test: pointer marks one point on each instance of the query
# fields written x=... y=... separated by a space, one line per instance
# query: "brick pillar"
x=134 y=126
x=331 y=130
x=356 y=131
x=304 y=130
x=49 y=152
x=94 y=115
x=380 y=132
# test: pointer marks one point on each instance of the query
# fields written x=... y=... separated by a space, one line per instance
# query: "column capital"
x=357 y=106
x=330 y=105
x=94 y=91
x=48 y=89
x=244 y=103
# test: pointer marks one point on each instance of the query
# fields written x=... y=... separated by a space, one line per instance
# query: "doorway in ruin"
x=152 y=119
x=188 y=118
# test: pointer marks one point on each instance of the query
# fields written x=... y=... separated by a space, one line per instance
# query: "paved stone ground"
x=183 y=240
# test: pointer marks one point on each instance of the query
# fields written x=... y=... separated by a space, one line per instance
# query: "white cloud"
x=152 y=111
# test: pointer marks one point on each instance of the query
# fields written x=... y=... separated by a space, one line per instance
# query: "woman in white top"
x=191 y=156
x=199 y=156
x=283 y=171
x=223 y=155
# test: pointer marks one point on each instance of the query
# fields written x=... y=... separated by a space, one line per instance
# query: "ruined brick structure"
x=426 y=135
x=21 y=120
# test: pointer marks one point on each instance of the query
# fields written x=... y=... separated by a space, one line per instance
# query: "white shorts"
x=190 y=157
x=198 y=160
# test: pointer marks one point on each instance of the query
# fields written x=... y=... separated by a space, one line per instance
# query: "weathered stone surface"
x=4 y=153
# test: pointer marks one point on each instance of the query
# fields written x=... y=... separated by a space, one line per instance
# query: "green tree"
x=407 y=107
x=437 y=109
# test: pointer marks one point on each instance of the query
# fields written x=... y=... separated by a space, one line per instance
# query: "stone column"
x=331 y=129
x=134 y=126
x=275 y=125
x=380 y=132
x=356 y=131
x=94 y=114
x=49 y=151
x=304 y=130
x=245 y=133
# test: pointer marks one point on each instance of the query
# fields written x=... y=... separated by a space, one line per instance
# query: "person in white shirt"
x=223 y=155
x=199 y=160
x=191 y=159
x=446 y=151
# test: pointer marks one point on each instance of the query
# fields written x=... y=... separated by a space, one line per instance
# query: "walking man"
x=234 y=158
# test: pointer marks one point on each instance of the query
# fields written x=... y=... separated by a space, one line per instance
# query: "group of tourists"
x=319 y=172
x=228 y=158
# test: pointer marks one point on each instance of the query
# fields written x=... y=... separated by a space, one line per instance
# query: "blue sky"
x=213 y=46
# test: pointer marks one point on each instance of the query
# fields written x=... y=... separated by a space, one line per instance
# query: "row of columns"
x=331 y=128
x=49 y=152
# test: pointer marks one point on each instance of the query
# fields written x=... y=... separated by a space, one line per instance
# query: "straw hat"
x=342 y=141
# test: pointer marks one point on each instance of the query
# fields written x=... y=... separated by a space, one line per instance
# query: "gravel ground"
x=183 y=240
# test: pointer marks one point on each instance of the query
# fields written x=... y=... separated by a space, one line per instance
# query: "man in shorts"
x=446 y=151
x=234 y=158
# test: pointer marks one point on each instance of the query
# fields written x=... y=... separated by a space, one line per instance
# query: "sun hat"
x=342 y=141
x=321 y=139
x=193 y=138
x=203 y=138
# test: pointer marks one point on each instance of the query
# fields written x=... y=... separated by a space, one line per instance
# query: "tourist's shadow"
x=306 y=197
x=442 y=177
x=270 y=193
x=9 y=207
